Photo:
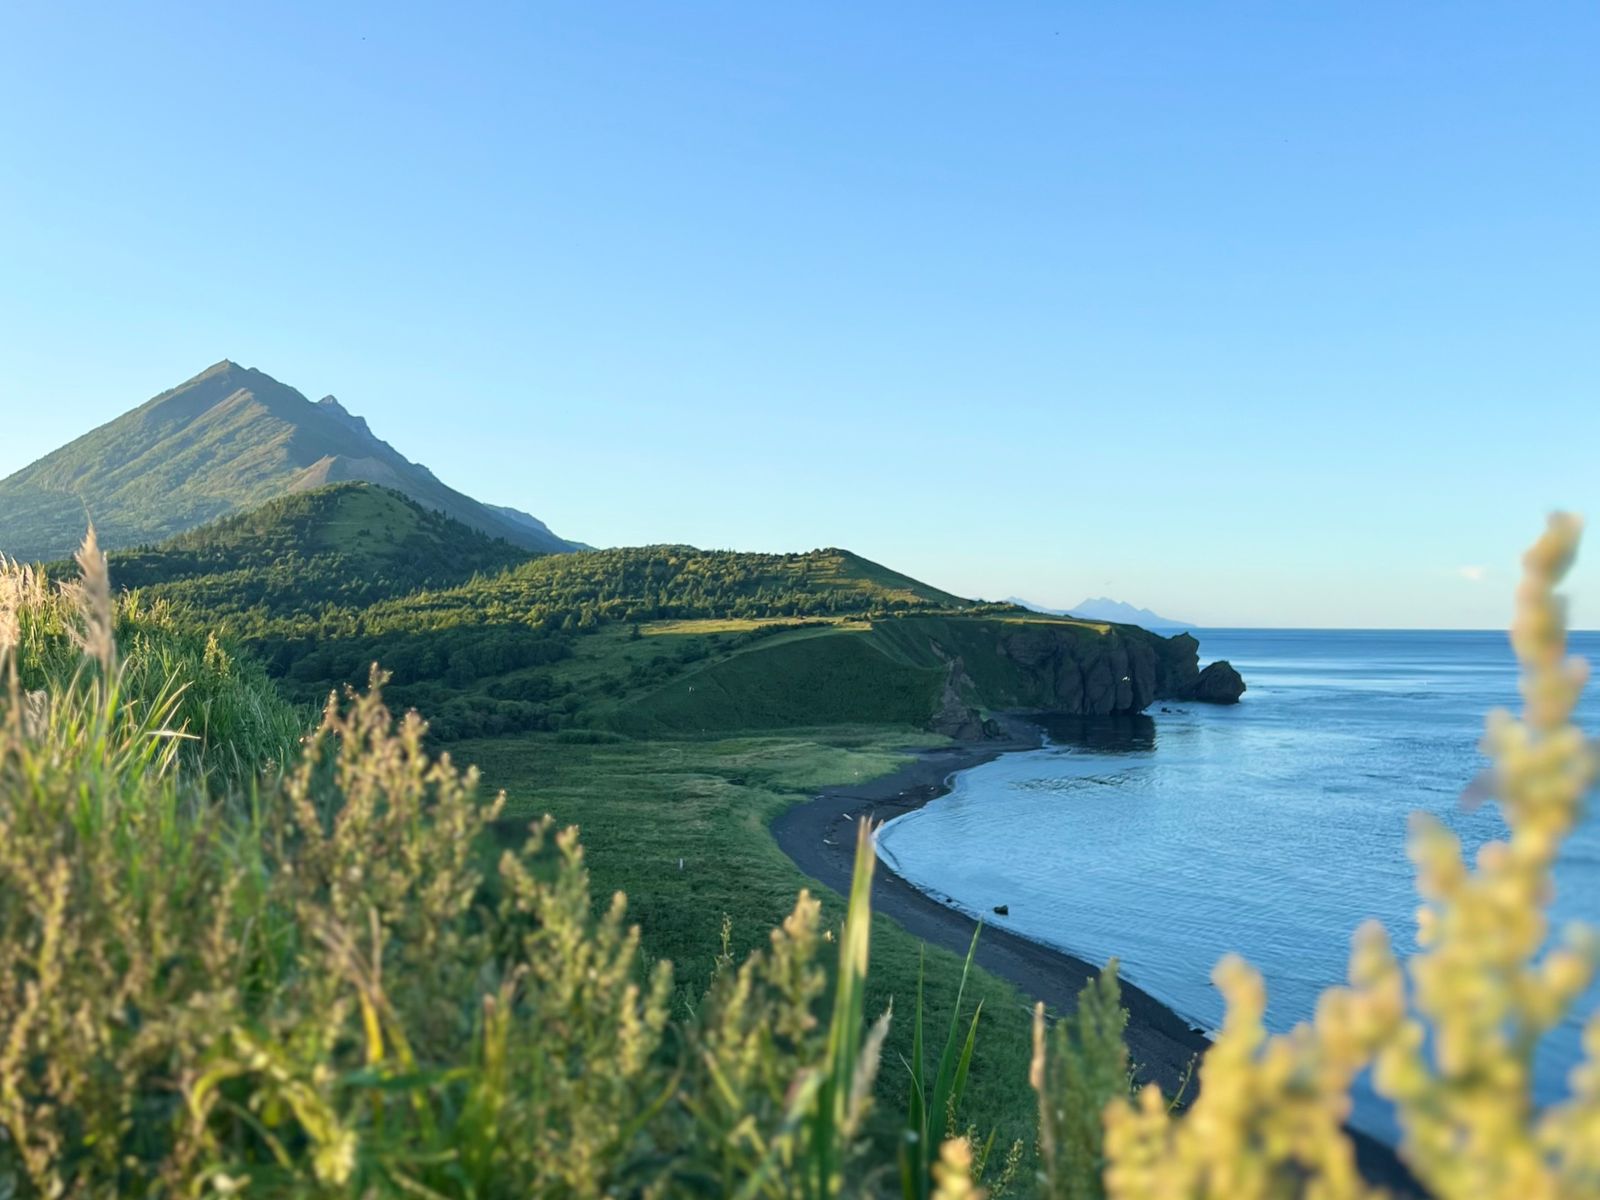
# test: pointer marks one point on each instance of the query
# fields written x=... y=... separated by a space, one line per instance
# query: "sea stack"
x=1219 y=683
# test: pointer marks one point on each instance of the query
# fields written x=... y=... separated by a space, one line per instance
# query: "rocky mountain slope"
x=227 y=440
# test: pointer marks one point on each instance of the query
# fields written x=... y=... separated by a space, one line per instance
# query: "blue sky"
x=1251 y=313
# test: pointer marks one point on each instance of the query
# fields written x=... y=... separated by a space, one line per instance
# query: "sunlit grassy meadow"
x=642 y=807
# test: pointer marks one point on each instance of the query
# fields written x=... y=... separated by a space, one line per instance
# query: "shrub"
x=590 y=737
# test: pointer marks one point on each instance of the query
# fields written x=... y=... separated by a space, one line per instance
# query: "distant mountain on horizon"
x=227 y=440
x=1103 y=608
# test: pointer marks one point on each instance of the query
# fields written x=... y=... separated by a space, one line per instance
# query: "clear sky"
x=1262 y=313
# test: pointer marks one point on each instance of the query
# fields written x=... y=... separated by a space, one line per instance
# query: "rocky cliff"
x=951 y=672
x=1219 y=683
x=1062 y=667
x=1124 y=669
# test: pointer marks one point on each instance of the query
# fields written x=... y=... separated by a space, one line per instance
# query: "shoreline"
x=819 y=837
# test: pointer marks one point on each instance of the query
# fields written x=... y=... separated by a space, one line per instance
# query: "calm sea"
x=1272 y=828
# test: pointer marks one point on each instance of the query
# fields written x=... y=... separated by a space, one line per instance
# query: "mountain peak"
x=229 y=438
x=1104 y=608
x=223 y=366
x=331 y=406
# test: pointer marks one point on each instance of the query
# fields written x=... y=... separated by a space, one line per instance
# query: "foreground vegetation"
x=318 y=988
x=334 y=982
x=682 y=827
x=234 y=722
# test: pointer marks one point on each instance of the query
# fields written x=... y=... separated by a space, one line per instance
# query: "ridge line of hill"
x=222 y=442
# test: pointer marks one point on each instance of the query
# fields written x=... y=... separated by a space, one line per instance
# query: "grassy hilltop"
x=348 y=543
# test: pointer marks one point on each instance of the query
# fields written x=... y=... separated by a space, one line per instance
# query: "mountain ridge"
x=1103 y=608
x=224 y=441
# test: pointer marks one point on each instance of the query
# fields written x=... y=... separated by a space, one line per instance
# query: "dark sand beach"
x=820 y=836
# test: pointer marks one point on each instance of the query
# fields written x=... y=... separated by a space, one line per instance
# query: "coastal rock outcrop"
x=954 y=717
x=1122 y=670
x=1081 y=669
x=1219 y=683
x=1180 y=659
x=1057 y=669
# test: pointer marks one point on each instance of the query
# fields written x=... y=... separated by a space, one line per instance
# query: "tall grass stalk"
x=932 y=1102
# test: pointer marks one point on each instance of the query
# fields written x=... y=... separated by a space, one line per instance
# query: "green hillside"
x=833 y=674
x=347 y=543
x=227 y=440
x=910 y=671
x=484 y=639
x=653 y=641
x=652 y=583
x=556 y=642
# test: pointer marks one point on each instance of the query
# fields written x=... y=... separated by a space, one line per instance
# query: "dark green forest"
x=345 y=544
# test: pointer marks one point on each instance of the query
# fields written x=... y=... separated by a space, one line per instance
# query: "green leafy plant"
x=932 y=1101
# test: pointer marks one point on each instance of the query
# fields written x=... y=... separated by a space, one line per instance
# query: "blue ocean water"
x=1272 y=828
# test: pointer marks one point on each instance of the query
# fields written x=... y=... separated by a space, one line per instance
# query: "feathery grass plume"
x=1456 y=1054
x=24 y=601
x=11 y=581
x=1080 y=1065
x=585 y=1081
x=90 y=596
x=1486 y=987
x=19 y=593
x=10 y=635
x=952 y=1174
x=229 y=716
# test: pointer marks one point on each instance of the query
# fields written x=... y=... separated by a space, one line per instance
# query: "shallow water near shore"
x=1272 y=828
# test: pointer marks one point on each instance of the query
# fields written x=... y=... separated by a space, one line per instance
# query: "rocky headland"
x=1073 y=669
